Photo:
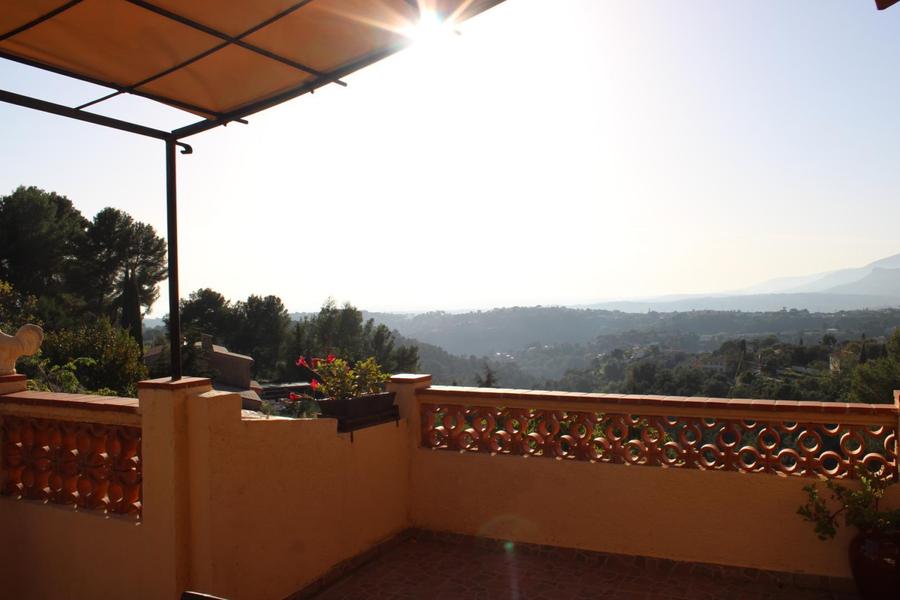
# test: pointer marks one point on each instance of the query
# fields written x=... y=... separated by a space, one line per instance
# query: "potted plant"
x=875 y=550
x=354 y=395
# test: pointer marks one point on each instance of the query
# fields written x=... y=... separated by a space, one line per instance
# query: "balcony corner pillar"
x=213 y=418
x=406 y=386
x=166 y=487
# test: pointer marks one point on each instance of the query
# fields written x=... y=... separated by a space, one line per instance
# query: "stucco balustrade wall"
x=246 y=509
x=281 y=502
x=51 y=552
x=727 y=518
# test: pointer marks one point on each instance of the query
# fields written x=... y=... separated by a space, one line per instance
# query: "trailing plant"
x=859 y=506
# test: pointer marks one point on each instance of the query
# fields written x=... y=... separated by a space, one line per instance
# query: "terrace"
x=481 y=492
x=472 y=492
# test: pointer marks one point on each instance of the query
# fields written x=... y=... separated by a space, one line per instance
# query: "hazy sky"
x=558 y=151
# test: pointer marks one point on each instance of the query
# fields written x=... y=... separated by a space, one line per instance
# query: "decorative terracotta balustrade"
x=88 y=465
x=790 y=438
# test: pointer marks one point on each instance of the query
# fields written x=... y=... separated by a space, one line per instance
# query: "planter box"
x=360 y=412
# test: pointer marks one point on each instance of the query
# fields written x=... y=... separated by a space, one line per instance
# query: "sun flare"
x=430 y=29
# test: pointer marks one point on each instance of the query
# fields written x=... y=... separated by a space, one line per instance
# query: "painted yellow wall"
x=289 y=500
x=254 y=509
x=51 y=551
x=251 y=509
x=729 y=518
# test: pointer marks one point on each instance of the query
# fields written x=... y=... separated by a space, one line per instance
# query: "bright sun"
x=430 y=30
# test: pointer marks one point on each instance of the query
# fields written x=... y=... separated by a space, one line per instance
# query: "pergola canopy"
x=219 y=60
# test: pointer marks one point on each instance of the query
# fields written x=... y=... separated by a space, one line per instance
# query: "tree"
x=261 y=332
x=121 y=264
x=641 y=378
x=131 y=310
x=16 y=309
x=341 y=331
x=39 y=237
x=875 y=380
x=488 y=379
x=207 y=311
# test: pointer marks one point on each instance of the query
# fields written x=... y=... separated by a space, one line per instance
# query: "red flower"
x=330 y=358
x=314 y=384
x=293 y=397
x=301 y=362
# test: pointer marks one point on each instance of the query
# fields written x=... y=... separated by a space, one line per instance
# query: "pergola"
x=220 y=60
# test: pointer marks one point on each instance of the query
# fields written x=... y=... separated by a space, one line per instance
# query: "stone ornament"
x=26 y=342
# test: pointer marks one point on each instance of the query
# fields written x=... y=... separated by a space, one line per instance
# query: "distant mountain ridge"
x=827 y=281
x=813 y=302
x=881 y=281
x=872 y=286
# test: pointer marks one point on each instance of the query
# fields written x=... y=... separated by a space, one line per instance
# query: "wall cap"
x=410 y=378
x=166 y=383
x=498 y=395
x=62 y=400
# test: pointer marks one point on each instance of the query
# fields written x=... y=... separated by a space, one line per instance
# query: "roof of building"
x=223 y=350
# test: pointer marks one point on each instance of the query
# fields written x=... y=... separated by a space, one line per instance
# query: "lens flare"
x=430 y=29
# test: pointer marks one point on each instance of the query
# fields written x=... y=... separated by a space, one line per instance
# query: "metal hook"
x=185 y=148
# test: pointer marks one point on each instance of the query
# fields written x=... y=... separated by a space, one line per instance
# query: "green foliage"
x=120 y=265
x=62 y=378
x=267 y=408
x=207 y=311
x=859 y=506
x=16 y=309
x=343 y=332
x=305 y=407
x=758 y=368
x=692 y=352
x=449 y=369
x=98 y=358
x=257 y=327
x=875 y=380
x=39 y=237
x=99 y=355
x=79 y=270
x=488 y=379
x=369 y=376
x=340 y=381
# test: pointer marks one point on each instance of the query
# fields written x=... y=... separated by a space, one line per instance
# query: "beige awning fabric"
x=216 y=58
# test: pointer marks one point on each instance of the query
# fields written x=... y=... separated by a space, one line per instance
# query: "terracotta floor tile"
x=434 y=570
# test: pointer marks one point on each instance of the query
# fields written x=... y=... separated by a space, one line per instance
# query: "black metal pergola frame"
x=174 y=138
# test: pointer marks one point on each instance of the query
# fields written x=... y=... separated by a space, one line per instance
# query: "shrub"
x=340 y=381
